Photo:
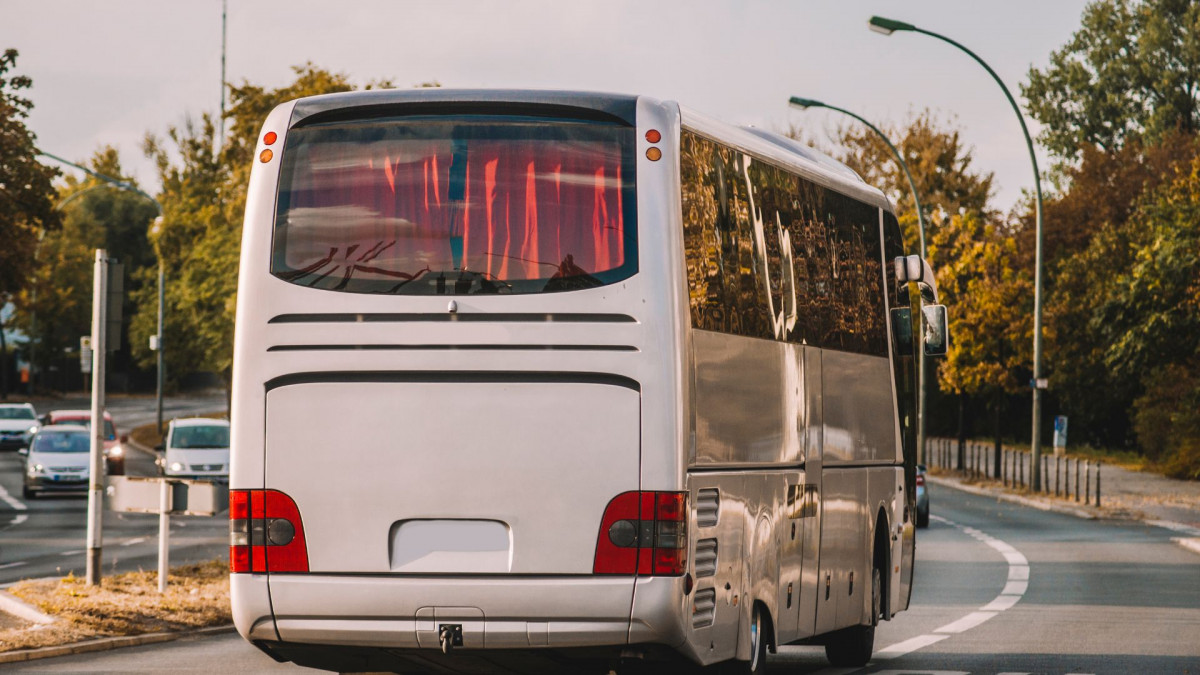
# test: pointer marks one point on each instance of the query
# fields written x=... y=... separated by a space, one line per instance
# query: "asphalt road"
x=47 y=536
x=1000 y=588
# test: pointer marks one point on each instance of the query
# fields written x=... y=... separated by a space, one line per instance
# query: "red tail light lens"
x=643 y=533
x=265 y=533
x=920 y=480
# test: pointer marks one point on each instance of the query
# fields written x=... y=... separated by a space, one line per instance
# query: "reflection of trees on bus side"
x=738 y=282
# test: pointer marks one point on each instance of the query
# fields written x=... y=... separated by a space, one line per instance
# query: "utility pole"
x=221 y=134
x=95 y=510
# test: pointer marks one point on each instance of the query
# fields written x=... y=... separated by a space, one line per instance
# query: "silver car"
x=18 y=422
x=58 y=459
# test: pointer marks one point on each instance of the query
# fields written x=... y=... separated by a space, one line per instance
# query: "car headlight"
x=176 y=467
x=116 y=451
x=32 y=430
x=36 y=469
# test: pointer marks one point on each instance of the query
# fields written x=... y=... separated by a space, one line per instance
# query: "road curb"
x=105 y=644
x=11 y=604
x=1009 y=497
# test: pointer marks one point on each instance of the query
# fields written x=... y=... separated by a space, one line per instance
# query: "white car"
x=58 y=459
x=18 y=423
x=197 y=448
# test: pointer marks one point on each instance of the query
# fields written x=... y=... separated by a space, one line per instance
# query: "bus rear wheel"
x=758 y=648
x=853 y=646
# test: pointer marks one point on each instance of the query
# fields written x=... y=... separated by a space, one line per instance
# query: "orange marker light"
x=653 y=136
x=653 y=154
x=270 y=138
x=265 y=156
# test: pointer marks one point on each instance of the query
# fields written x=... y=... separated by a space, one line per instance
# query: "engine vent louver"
x=704 y=607
x=706 y=558
x=708 y=507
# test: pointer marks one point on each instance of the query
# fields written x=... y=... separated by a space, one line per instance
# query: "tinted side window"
x=702 y=185
x=772 y=255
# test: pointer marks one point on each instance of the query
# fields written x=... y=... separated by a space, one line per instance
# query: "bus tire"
x=758 y=648
x=853 y=646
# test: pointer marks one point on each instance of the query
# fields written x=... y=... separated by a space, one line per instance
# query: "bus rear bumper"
x=319 y=617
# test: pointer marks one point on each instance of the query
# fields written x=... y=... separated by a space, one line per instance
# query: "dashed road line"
x=13 y=564
x=131 y=542
x=66 y=553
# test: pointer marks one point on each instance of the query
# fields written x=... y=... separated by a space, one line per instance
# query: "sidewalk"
x=1130 y=495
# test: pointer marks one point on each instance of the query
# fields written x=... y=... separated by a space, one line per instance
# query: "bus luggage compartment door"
x=438 y=477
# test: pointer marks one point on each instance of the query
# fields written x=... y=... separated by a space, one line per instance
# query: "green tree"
x=1093 y=234
x=26 y=195
x=55 y=308
x=1131 y=70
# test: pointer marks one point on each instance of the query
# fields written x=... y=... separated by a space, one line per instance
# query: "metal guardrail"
x=1065 y=477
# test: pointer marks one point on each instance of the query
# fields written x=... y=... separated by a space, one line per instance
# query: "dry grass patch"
x=124 y=604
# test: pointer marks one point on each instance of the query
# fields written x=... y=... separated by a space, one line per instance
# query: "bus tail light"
x=643 y=533
x=265 y=533
x=920 y=480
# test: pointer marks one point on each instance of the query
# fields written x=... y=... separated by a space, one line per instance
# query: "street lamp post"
x=156 y=229
x=884 y=26
x=803 y=103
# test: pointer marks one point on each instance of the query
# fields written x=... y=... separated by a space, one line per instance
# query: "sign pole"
x=96 y=472
x=164 y=531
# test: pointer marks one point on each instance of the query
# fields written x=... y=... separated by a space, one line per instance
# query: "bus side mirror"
x=937 y=332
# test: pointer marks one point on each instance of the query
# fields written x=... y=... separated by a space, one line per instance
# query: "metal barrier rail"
x=1073 y=478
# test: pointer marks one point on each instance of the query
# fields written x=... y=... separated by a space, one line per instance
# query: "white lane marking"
x=65 y=553
x=1176 y=527
x=910 y=645
x=1190 y=543
x=922 y=672
x=1014 y=589
x=11 y=501
x=131 y=542
x=19 y=519
x=1017 y=588
x=12 y=564
x=966 y=623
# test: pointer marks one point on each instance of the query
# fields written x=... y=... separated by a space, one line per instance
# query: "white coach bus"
x=528 y=378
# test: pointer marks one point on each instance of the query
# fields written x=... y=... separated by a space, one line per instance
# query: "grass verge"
x=124 y=604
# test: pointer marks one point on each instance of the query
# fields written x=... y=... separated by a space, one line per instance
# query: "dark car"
x=922 y=498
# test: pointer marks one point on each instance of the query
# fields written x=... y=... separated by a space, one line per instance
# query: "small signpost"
x=166 y=496
x=85 y=355
x=1060 y=435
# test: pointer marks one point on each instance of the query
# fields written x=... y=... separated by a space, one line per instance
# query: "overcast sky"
x=109 y=72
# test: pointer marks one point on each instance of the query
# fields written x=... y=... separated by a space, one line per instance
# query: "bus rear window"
x=456 y=205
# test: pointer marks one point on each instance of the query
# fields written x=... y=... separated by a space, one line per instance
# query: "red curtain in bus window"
x=509 y=209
